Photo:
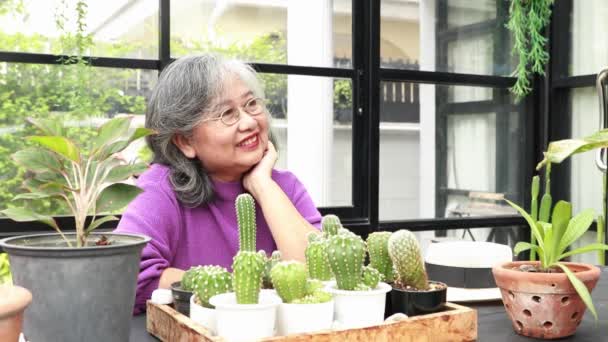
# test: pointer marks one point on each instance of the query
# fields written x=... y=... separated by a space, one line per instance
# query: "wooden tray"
x=455 y=323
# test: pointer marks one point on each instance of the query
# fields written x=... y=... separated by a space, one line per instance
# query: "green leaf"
x=59 y=145
x=523 y=246
x=48 y=126
x=562 y=213
x=580 y=288
x=99 y=222
x=577 y=226
x=111 y=130
x=531 y=223
x=559 y=150
x=37 y=160
x=123 y=172
x=588 y=248
x=116 y=196
x=31 y=195
x=141 y=132
x=548 y=236
x=26 y=215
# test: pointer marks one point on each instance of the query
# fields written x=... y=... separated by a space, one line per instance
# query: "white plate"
x=461 y=295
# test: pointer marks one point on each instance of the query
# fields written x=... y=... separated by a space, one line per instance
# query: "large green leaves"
x=577 y=226
x=95 y=224
x=559 y=150
x=122 y=172
x=531 y=223
x=111 y=131
x=51 y=127
x=116 y=196
x=562 y=212
x=37 y=160
x=580 y=288
x=60 y=145
x=588 y=248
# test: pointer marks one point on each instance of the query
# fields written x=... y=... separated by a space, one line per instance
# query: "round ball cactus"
x=209 y=281
x=404 y=250
x=371 y=277
x=377 y=246
x=187 y=282
x=330 y=225
x=346 y=253
x=317 y=259
x=289 y=279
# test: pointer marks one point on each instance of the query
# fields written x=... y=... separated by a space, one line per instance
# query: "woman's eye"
x=229 y=114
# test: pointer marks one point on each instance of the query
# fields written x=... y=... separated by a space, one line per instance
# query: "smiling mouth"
x=249 y=142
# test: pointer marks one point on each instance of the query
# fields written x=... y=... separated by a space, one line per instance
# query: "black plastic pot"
x=181 y=298
x=414 y=303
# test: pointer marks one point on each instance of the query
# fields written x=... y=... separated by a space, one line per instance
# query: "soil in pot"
x=412 y=301
x=181 y=298
x=13 y=301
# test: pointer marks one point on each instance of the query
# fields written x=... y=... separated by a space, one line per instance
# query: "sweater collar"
x=227 y=191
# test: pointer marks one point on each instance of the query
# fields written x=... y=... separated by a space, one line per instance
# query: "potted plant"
x=358 y=293
x=306 y=307
x=207 y=282
x=377 y=248
x=413 y=293
x=183 y=290
x=77 y=279
x=247 y=313
x=13 y=301
x=271 y=260
x=547 y=298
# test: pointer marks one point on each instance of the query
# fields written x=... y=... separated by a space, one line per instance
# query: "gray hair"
x=185 y=89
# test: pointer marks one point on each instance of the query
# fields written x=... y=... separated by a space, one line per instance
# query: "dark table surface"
x=493 y=323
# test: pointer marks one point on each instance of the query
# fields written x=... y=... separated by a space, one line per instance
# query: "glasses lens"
x=230 y=117
x=254 y=106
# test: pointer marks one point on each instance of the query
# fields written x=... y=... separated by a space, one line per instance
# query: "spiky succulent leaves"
x=405 y=253
x=245 y=214
x=247 y=272
x=371 y=277
x=330 y=225
x=187 y=282
x=289 y=279
x=377 y=247
x=317 y=259
x=210 y=281
x=346 y=256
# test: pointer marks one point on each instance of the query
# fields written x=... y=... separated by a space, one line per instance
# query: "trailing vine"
x=527 y=20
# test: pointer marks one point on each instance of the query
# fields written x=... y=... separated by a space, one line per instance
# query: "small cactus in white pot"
x=206 y=282
x=413 y=293
x=306 y=306
x=359 y=294
x=248 y=312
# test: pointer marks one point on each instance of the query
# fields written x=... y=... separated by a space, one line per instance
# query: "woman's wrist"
x=260 y=187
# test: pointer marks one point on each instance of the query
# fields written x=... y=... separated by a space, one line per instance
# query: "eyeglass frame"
x=238 y=110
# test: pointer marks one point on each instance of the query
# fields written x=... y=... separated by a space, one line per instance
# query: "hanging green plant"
x=527 y=20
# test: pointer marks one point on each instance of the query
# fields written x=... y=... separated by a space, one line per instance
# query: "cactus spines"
x=371 y=277
x=346 y=256
x=377 y=246
x=317 y=259
x=330 y=225
x=187 y=282
x=245 y=214
x=209 y=281
x=289 y=279
x=404 y=250
x=247 y=272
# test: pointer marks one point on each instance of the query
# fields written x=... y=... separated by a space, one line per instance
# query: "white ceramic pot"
x=357 y=309
x=202 y=315
x=245 y=322
x=302 y=318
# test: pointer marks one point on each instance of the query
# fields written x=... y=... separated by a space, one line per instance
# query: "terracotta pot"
x=543 y=305
x=13 y=301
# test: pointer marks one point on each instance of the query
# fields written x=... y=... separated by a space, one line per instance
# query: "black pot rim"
x=445 y=287
x=8 y=243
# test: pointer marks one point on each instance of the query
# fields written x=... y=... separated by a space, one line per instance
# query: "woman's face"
x=228 y=151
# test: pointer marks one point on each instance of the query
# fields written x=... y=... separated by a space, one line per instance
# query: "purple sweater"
x=206 y=235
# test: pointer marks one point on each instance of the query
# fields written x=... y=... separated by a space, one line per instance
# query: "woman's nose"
x=246 y=121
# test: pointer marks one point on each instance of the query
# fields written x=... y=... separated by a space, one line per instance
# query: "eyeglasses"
x=230 y=116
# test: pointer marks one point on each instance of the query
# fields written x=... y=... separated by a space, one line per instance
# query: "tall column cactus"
x=317 y=259
x=330 y=224
x=289 y=279
x=209 y=281
x=377 y=246
x=404 y=250
x=245 y=215
x=248 y=266
x=346 y=253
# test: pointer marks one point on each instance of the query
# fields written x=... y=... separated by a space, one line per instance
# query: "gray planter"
x=79 y=294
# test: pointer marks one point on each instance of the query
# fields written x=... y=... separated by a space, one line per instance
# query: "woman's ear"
x=185 y=145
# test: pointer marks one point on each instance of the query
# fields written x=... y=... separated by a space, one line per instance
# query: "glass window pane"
x=459 y=159
x=117 y=28
x=265 y=31
x=587 y=33
x=465 y=36
x=80 y=98
x=312 y=124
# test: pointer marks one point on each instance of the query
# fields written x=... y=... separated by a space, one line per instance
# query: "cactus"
x=371 y=277
x=187 y=282
x=317 y=259
x=346 y=253
x=245 y=213
x=270 y=262
x=405 y=252
x=330 y=225
x=247 y=272
x=289 y=279
x=377 y=245
x=209 y=281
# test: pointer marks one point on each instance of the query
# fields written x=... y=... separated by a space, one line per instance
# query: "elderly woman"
x=212 y=145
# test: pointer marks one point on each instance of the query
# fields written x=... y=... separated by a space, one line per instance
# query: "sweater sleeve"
x=304 y=203
x=156 y=214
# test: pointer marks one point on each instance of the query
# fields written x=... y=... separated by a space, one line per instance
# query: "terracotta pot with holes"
x=543 y=305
